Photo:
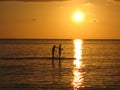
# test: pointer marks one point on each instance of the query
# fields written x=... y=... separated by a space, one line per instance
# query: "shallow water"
x=40 y=74
x=98 y=67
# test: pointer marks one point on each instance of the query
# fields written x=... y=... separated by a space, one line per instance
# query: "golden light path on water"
x=78 y=74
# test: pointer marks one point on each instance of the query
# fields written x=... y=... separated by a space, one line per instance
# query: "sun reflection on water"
x=78 y=74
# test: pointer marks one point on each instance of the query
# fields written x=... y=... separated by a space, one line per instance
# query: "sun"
x=78 y=16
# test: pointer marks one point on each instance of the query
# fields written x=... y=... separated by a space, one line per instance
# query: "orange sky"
x=54 y=19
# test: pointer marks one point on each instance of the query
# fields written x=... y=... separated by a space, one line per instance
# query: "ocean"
x=26 y=64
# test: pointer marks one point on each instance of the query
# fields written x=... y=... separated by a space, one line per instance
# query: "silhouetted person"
x=59 y=52
x=53 y=54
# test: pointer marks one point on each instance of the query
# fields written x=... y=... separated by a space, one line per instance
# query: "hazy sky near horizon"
x=54 y=19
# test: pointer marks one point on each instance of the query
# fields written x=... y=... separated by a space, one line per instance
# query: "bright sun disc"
x=78 y=16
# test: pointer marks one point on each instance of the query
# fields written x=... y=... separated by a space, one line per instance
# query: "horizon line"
x=59 y=38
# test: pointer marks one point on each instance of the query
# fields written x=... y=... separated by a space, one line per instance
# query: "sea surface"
x=26 y=64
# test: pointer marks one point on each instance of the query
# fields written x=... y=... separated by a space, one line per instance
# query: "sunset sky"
x=55 y=19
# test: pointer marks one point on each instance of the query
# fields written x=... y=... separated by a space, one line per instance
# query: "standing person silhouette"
x=53 y=54
x=59 y=51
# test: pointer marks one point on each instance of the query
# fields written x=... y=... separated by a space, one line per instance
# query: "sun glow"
x=78 y=16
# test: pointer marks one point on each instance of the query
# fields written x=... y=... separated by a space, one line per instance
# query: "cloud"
x=86 y=3
x=92 y=20
x=102 y=2
x=35 y=0
x=114 y=1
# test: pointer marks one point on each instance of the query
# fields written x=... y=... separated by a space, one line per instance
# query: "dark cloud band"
x=35 y=0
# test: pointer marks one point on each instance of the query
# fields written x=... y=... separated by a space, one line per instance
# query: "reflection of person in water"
x=59 y=51
x=53 y=53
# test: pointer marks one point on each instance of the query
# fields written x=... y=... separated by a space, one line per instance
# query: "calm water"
x=86 y=65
